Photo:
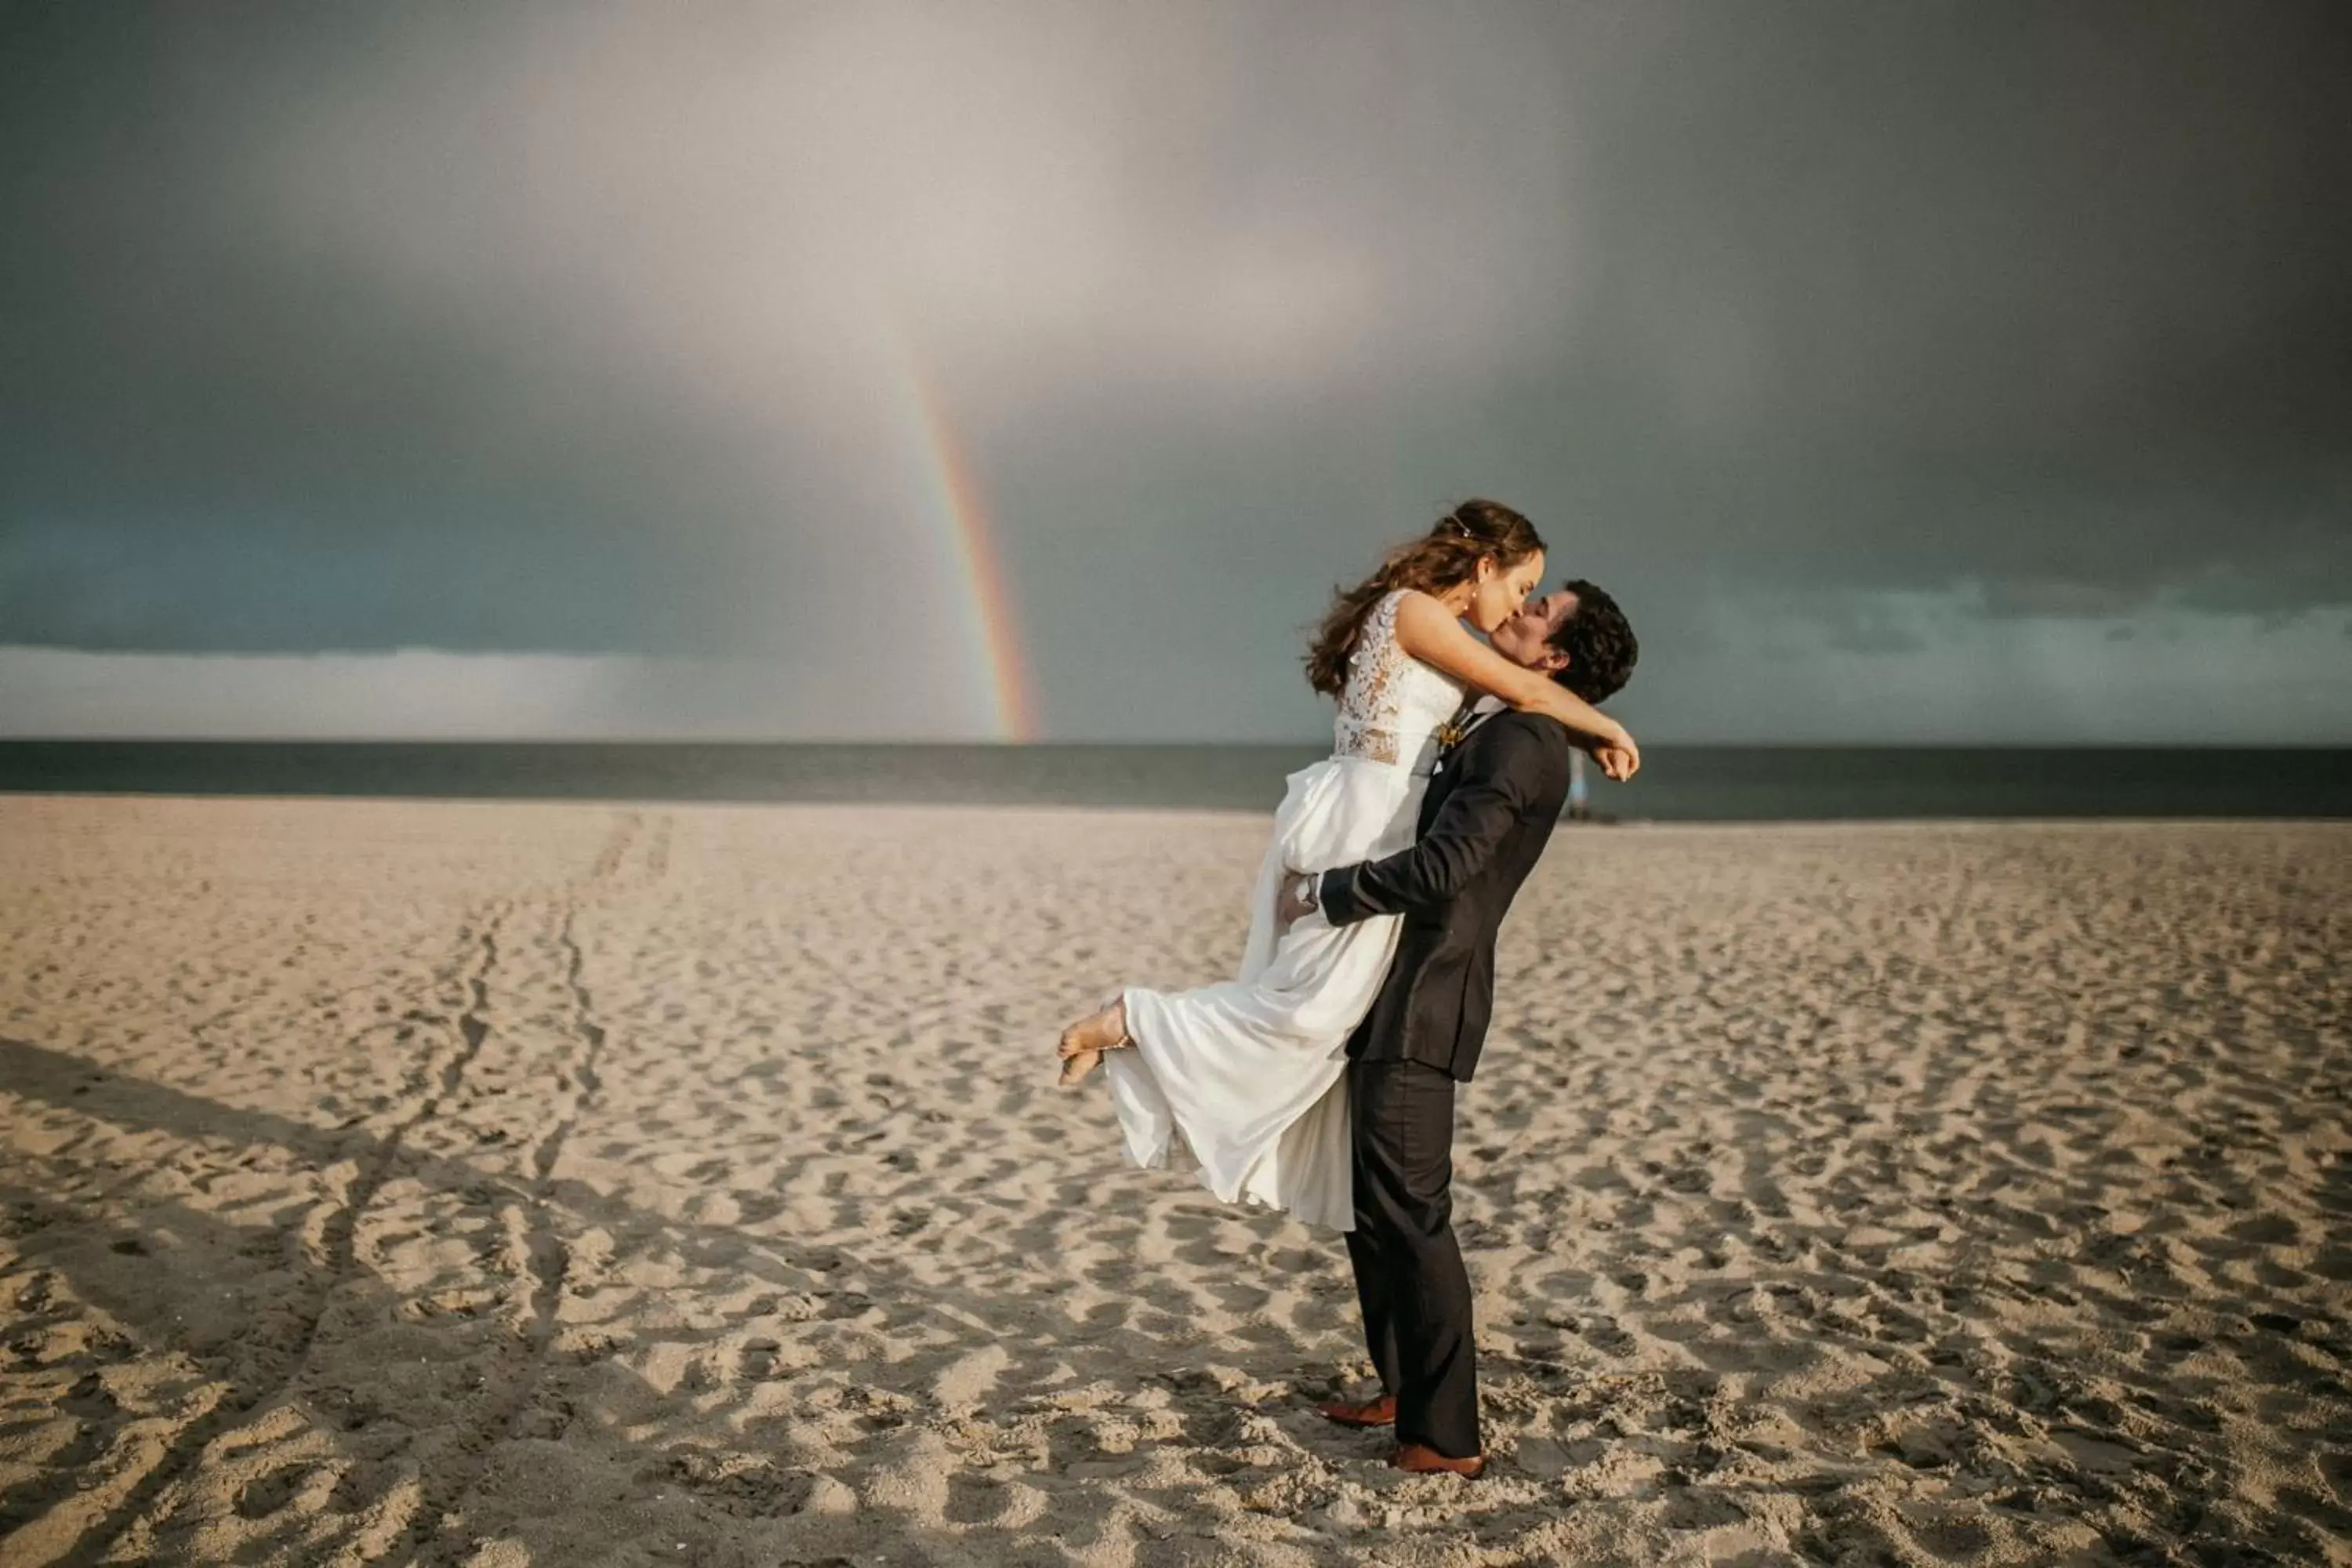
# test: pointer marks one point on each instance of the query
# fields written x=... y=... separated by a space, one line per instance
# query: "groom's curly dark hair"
x=1599 y=644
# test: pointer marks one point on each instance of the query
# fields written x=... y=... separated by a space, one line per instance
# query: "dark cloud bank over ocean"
x=1968 y=371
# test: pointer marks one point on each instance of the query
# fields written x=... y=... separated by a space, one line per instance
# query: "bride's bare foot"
x=1084 y=1042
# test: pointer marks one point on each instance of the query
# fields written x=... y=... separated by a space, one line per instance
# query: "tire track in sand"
x=335 y=1242
x=540 y=1253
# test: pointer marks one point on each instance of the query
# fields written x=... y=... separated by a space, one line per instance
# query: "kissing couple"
x=1321 y=1080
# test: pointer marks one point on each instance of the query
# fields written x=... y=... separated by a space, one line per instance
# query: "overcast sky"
x=1962 y=372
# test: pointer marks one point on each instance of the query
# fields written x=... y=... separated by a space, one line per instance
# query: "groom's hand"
x=1290 y=905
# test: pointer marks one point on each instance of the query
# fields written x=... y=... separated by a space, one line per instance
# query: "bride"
x=1246 y=1080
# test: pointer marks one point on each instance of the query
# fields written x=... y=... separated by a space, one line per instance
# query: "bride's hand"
x=1619 y=757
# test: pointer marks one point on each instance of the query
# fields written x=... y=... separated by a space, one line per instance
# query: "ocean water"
x=1687 y=784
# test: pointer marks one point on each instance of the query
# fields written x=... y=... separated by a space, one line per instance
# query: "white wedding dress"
x=1245 y=1081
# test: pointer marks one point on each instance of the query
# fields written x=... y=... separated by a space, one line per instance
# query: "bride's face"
x=1501 y=590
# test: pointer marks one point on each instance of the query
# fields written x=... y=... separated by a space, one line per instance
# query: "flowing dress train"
x=1245 y=1081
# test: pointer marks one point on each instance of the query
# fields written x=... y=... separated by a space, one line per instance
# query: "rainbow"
x=998 y=626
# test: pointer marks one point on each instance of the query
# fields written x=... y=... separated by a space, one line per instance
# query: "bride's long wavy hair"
x=1448 y=556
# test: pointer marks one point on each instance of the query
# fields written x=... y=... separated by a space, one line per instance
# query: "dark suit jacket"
x=1483 y=824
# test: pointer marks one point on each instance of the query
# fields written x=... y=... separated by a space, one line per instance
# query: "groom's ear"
x=1554 y=659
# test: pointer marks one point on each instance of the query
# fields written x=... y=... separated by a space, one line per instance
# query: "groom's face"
x=1525 y=637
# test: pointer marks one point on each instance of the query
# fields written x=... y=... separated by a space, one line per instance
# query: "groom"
x=1489 y=809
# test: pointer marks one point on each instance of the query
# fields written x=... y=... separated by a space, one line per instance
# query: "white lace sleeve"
x=1367 y=724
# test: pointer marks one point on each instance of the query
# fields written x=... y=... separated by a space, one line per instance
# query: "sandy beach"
x=570 y=1185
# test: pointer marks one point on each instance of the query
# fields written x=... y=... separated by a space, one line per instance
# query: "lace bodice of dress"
x=1393 y=706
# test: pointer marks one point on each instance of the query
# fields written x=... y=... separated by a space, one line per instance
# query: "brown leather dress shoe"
x=1380 y=1412
x=1423 y=1462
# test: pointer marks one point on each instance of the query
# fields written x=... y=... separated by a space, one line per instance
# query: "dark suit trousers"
x=1408 y=1275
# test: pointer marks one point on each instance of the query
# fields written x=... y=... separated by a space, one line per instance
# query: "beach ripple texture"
x=568 y=1184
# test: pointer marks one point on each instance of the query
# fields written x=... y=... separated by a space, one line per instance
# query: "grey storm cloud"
x=593 y=328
